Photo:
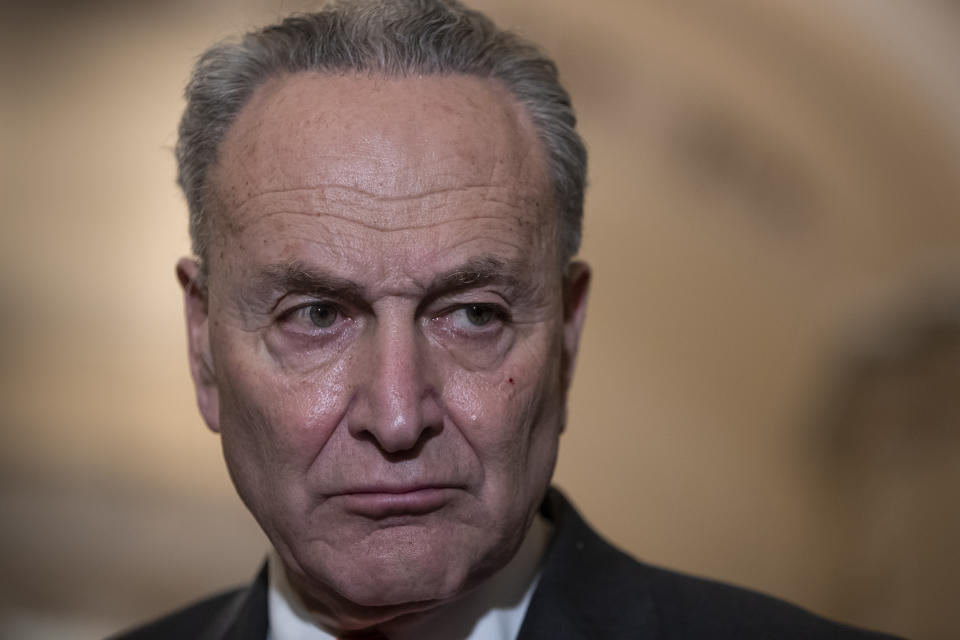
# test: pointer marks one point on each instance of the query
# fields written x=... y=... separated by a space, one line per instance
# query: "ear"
x=576 y=284
x=198 y=340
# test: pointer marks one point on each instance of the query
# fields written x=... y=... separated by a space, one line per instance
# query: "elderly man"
x=383 y=317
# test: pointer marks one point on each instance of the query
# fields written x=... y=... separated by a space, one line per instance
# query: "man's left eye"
x=479 y=314
x=474 y=317
x=323 y=315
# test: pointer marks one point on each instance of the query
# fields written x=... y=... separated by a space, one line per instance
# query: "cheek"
x=500 y=414
x=281 y=419
x=472 y=397
x=512 y=428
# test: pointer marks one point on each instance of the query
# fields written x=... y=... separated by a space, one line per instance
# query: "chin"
x=398 y=567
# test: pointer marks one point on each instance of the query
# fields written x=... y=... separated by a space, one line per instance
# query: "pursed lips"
x=385 y=501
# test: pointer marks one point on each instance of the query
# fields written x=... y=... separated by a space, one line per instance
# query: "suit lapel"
x=588 y=590
x=245 y=616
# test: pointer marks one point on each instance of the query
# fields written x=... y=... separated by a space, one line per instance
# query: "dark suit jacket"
x=587 y=590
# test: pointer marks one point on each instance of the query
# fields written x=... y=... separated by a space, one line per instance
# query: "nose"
x=397 y=405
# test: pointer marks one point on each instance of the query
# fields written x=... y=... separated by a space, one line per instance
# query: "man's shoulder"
x=237 y=613
x=590 y=589
x=191 y=621
x=692 y=607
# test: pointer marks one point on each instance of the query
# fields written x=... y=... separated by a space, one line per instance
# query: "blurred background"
x=769 y=386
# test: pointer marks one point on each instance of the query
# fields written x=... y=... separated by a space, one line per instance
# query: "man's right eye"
x=322 y=314
x=313 y=318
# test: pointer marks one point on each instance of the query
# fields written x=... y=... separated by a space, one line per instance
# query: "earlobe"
x=576 y=285
x=196 y=307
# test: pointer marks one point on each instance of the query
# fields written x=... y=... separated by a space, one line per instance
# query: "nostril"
x=394 y=453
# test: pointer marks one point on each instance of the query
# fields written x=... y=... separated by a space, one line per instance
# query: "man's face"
x=387 y=334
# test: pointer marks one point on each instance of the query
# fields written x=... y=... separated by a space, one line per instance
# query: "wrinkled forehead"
x=374 y=139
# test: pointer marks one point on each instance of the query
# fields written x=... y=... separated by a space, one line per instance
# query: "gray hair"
x=395 y=38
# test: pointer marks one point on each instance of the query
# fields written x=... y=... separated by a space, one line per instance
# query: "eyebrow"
x=476 y=272
x=301 y=278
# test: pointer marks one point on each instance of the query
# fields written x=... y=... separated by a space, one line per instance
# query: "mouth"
x=377 y=503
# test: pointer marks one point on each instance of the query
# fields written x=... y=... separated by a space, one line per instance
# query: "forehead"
x=372 y=143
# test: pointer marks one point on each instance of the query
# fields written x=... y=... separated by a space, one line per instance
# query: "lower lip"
x=384 y=505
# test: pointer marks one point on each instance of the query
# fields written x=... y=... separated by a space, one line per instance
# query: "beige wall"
x=773 y=222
